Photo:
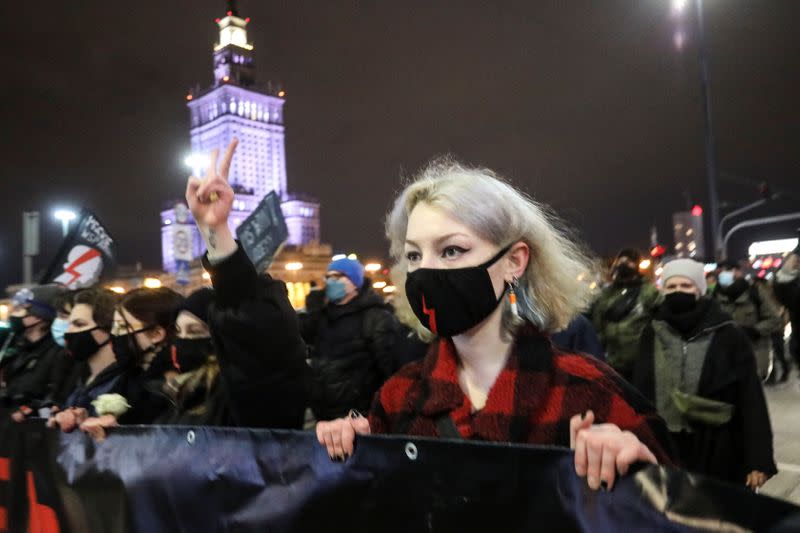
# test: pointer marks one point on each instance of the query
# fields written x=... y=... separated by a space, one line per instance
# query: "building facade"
x=688 y=233
x=234 y=105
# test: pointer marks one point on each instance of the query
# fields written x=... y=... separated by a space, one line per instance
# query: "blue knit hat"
x=351 y=268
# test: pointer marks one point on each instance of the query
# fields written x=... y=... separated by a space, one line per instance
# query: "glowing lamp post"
x=65 y=216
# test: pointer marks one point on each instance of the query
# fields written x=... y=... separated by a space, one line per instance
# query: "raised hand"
x=210 y=200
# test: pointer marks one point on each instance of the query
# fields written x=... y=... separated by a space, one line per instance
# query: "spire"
x=232 y=10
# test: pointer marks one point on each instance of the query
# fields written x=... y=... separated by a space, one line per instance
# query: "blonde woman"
x=490 y=273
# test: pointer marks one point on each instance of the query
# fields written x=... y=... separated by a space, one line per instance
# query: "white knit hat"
x=688 y=268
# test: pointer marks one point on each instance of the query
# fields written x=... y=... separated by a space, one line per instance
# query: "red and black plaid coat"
x=532 y=400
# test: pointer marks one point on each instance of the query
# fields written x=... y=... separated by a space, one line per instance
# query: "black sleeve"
x=382 y=334
x=756 y=428
x=788 y=294
x=262 y=356
x=644 y=366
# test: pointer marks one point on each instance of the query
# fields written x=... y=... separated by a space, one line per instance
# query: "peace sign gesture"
x=210 y=199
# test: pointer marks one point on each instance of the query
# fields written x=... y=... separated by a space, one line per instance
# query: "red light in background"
x=217 y=20
x=225 y=78
x=697 y=211
x=777 y=263
x=762 y=273
x=657 y=251
x=767 y=263
x=247 y=19
x=230 y=13
x=189 y=96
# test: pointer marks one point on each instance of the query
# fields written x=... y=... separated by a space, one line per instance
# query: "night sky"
x=587 y=105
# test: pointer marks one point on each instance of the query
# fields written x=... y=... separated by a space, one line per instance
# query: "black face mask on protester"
x=126 y=348
x=191 y=354
x=451 y=301
x=82 y=344
x=680 y=302
x=18 y=326
x=625 y=271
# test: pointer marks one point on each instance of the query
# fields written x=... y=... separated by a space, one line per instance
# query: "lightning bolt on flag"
x=85 y=256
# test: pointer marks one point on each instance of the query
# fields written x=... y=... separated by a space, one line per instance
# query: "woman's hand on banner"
x=603 y=450
x=210 y=200
x=68 y=419
x=96 y=426
x=339 y=435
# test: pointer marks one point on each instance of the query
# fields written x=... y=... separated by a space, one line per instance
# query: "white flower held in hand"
x=111 y=404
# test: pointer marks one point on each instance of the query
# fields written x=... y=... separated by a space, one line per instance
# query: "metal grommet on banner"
x=411 y=451
x=190 y=437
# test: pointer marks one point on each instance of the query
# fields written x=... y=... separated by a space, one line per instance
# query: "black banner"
x=153 y=479
x=86 y=254
x=263 y=232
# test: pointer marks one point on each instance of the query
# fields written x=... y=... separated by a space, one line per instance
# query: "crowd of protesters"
x=493 y=335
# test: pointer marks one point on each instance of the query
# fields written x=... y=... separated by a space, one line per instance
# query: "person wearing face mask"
x=195 y=392
x=32 y=364
x=622 y=311
x=491 y=275
x=698 y=369
x=352 y=338
x=751 y=311
x=88 y=342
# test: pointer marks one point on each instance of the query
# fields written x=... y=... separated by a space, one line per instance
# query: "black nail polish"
x=354 y=414
x=604 y=484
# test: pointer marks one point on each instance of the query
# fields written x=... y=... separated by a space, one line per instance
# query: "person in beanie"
x=622 y=311
x=698 y=369
x=352 y=340
x=755 y=314
x=32 y=365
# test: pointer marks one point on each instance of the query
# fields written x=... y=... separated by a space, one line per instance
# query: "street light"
x=197 y=162
x=372 y=267
x=152 y=283
x=65 y=216
x=294 y=266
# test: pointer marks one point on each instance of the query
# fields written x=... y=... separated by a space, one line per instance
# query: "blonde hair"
x=550 y=292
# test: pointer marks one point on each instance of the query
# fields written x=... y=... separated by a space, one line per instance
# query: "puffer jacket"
x=31 y=373
x=352 y=353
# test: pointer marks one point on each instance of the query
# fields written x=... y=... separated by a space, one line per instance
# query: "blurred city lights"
x=118 y=290
x=379 y=285
x=206 y=276
x=678 y=6
x=354 y=257
x=372 y=267
x=294 y=266
x=338 y=257
x=197 y=162
x=645 y=264
x=389 y=289
x=152 y=283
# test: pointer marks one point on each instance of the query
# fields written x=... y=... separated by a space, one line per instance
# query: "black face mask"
x=82 y=345
x=680 y=302
x=451 y=301
x=17 y=325
x=126 y=348
x=625 y=271
x=191 y=354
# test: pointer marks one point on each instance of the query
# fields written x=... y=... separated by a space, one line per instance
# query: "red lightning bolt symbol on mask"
x=431 y=314
x=91 y=254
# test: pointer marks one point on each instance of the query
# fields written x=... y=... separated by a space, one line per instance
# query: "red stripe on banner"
x=5 y=469
x=91 y=254
x=42 y=518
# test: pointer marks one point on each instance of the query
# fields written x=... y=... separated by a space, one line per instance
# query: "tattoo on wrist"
x=212 y=239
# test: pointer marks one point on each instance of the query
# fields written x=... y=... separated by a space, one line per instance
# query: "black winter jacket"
x=263 y=375
x=353 y=353
x=733 y=450
x=34 y=372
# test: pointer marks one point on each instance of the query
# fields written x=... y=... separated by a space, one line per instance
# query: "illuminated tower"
x=236 y=106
